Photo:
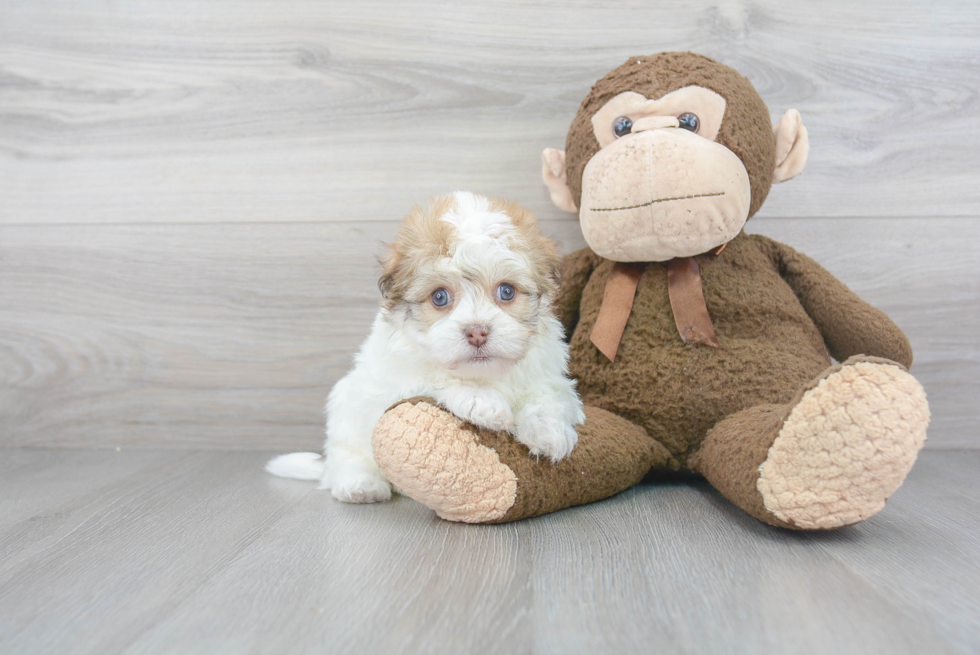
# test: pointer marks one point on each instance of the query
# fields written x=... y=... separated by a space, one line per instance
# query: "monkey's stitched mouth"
x=653 y=202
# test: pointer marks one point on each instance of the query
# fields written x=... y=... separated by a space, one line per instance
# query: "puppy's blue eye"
x=622 y=126
x=506 y=292
x=440 y=297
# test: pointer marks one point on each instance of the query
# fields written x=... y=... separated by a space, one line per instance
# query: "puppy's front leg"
x=353 y=477
x=350 y=471
x=546 y=425
x=481 y=406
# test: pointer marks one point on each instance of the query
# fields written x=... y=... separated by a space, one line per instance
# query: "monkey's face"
x=661 y=186
x=668 y=156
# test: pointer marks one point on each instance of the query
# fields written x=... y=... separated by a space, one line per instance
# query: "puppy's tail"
x=302 y=466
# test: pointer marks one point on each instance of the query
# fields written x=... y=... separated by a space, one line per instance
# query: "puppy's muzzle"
x=477 y=335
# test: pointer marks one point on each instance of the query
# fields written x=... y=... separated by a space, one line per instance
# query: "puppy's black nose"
x=476 y=334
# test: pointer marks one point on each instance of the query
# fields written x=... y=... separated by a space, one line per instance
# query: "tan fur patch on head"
x=422 y=238
x=543 y=253
x=425 y=239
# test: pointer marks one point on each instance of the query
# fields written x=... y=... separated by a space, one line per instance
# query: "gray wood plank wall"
x=192 y=194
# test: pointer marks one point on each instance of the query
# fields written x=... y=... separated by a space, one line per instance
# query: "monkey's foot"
x=428 y=455
x=472 y=475
x=846 y=446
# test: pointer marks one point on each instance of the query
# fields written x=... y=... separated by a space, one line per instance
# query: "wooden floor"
x=201 y=552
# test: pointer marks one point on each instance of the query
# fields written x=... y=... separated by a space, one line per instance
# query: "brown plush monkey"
x=696 y=347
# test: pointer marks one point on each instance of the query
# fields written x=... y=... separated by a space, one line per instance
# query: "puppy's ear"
x=551 y=259
x=390 y=262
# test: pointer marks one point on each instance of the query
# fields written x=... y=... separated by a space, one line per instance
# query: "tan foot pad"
x=845 y=447
x=429 y=456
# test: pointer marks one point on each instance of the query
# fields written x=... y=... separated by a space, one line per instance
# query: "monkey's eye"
x=689 y=121
x=440 y=297
x=506 y=292
x=622 y=126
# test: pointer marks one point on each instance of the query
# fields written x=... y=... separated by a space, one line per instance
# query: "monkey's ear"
x=553 y=174
x=792 y=147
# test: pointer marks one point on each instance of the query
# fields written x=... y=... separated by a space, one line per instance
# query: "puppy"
x=467 y=319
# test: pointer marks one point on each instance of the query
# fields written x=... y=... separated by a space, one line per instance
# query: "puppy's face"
x=467 y=280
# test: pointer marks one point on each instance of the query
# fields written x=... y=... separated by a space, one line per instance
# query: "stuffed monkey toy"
x=697 y=347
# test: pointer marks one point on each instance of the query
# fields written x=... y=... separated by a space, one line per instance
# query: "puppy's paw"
x=547 y=435
x=485 y=408
x=492 y=413
x=360 y=487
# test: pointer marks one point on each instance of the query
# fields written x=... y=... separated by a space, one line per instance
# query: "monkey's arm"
x=849 y=325
x=576 y=269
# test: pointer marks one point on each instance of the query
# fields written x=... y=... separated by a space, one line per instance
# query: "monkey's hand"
x=850 y=326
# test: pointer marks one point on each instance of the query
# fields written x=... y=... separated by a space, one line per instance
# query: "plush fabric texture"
x=734 y=450
x=611 y=455
x=428 y=455
x=792 y=146
x=553 y=173
x=707 y=105
x=639 y=202
x=770 y=344
x=830 y=457
x=657 y=75
x=468 y=474
x=846 y=446
x=849 y=325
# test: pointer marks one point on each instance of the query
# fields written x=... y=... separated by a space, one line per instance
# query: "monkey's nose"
x=476 y=334
x=654 y=123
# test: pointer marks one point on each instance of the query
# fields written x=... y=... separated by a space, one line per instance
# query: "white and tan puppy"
x=467 y=319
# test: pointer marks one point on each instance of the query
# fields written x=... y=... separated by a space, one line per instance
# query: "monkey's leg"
x=829 y=458
x=481 y=476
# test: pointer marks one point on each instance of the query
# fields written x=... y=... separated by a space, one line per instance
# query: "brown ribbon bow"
x=686 y=302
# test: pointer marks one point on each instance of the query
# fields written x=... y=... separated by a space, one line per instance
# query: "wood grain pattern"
x=34 y=481
x=333 y=111
x=222 y=336
x=745 y=588
x=126 y=557
x=389 y=578
x=206 y=554
x=938 y=511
